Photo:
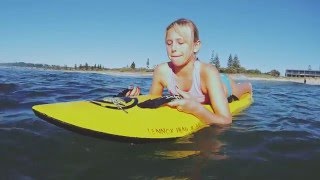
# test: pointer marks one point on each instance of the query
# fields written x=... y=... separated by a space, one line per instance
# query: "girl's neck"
x=184 y=70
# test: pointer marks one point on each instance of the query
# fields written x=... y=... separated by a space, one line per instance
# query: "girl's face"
x=180 y=46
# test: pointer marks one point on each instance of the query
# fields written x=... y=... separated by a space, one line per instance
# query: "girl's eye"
x=180 y=41
x=169 y=42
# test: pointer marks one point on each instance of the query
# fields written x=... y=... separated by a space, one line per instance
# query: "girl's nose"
x=174 y=47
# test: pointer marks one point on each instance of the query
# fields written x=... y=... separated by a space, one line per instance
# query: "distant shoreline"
x=309 y=80
x=249 y=77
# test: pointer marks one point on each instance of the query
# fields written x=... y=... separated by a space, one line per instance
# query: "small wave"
x=6 y=103
x=34 y=94
x=69 y=98
x=97 y=91
x=7 y=88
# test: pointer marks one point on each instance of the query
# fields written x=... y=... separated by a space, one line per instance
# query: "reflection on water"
x=205 y=144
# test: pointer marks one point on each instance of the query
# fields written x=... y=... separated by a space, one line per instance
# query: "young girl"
x=197 y=82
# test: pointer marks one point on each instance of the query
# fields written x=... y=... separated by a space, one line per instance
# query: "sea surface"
x=277 y=137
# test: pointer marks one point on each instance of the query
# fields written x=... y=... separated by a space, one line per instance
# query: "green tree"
x=236 y=62
x=230 y=62
x=253 y=71
x=75 y=66
x=86 y=66
x=133 y=65
x=148 y=63
x=212 y=58
x=274 y=73
x=217 y=61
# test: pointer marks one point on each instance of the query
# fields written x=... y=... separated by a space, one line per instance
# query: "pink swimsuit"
x=195 y=90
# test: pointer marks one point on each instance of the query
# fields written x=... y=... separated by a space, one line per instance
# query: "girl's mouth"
x=176 y=56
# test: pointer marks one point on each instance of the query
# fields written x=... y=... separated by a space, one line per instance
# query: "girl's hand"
x=133 y=91
x=187 y=104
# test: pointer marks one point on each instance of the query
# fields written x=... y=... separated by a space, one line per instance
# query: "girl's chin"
x=177 y=62
x=176 y=59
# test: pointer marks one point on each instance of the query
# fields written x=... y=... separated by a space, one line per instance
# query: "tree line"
x=234 y=66
x=81 y=67
x=87 y=67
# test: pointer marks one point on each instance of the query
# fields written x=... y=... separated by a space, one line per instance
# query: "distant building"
x=302 y=73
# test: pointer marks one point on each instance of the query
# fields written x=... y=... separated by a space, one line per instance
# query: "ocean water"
x=277 y=137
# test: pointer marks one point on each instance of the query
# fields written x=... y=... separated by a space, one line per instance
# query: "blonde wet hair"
x=182 y=23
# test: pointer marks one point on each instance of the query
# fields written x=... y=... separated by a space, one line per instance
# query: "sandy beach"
x=309 y=80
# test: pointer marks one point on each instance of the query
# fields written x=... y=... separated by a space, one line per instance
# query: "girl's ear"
x=197 y=46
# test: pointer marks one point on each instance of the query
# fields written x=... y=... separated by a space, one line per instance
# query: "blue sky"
x=265 y=34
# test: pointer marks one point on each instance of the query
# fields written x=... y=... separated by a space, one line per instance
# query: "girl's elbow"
x=226 y=120
x=222 y=121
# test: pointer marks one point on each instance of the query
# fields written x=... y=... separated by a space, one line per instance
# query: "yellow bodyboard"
x=122 y=117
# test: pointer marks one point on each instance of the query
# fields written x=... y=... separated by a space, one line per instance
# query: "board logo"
x=120 y=103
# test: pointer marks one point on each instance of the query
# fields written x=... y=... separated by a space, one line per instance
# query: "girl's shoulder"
x=163 y=65
x=161 y=73
x=206 y=67
x=162 y=68
x=208 y=70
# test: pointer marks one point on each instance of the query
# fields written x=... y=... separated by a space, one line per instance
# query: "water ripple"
x=280 y=129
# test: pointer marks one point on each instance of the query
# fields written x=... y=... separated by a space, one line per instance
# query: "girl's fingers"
x=128 y=93
x=176 y=104
x=135 y=91
x=179 y=108
x=173 y=103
